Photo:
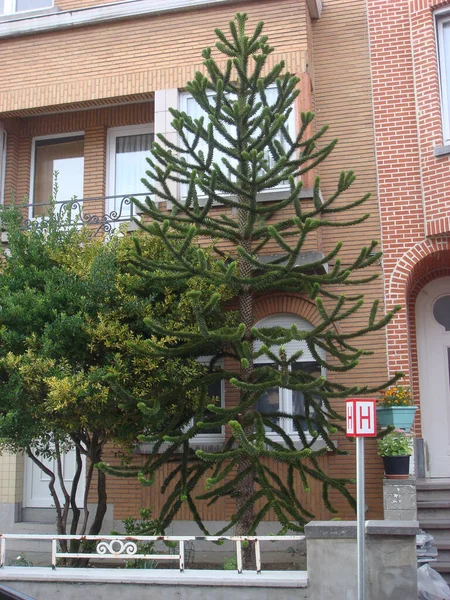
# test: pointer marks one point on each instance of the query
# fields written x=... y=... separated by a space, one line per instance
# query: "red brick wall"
x=414 y=185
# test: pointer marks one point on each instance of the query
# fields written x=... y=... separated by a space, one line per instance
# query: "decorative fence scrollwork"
x=71 y=211
x=116 y=548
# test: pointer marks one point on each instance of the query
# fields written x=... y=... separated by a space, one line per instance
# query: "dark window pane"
x=441 y=312
x=215 y=395
x=269 y=402
x=298 y=399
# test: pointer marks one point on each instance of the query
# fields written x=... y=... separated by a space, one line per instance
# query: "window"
x=280 y=399
x=216 y=392
x=127 y=151
x=10 y=7
x=191 y=108
x=57 y=160
x=443 y=38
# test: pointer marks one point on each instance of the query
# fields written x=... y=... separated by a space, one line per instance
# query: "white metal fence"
x=117 y=547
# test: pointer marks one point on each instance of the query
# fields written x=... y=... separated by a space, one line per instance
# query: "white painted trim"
x=99 y=14
x=269 y=195
x=211 y=438
x=443 y=72
x=54 y=136
x=285 y=395
x=111 y=137
x=315 y=8
x=172 y=577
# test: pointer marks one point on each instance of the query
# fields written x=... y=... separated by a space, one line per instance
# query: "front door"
x=37 y=492
x=433 y=344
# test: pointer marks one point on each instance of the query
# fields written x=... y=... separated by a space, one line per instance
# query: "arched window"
x=280 y=399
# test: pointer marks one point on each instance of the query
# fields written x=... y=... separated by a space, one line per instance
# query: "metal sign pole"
x=360 y=514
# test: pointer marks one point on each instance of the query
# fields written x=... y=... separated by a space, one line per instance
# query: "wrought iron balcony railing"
x=101 y=214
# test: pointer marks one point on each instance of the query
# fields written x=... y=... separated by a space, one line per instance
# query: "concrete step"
x=438 y=528
x=443 y=555
x=443 y=568
x=433 y=489
x=433 y=509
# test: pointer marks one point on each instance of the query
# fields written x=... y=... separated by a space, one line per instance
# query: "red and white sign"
x=361 y=417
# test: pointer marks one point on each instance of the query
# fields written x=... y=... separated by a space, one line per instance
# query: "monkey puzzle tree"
x=238 y=148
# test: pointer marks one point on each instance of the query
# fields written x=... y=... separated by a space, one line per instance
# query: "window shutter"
x=287 y=320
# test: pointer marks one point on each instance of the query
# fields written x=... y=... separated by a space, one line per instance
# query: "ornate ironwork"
x=127 y=547
x=97 y=223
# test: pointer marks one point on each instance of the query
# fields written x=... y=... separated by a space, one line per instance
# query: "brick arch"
x=425 y=262
x=403 y=275
x=425 y=272
x=277 y=303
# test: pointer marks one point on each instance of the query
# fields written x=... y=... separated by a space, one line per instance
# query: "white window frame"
x=3 y=145
x=111 y=137
x=10 y=9
x=441 y=18
x=285 y=395
x=210 y=438
x=276 y=193
x=55 y=136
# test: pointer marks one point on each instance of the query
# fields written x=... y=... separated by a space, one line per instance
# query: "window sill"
x=26 y=15
x=441 y=151
x=267 y=196
x=210 y=445
x=207 y=444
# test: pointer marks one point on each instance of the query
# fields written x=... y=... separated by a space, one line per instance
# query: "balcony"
x=101 y=214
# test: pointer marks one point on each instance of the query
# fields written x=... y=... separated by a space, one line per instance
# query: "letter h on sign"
x=361 y=417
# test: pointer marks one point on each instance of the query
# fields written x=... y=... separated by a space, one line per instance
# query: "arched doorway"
x=433 y=346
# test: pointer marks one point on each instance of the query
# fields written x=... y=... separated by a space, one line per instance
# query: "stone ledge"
x=347 y=529
x=172 y=577
x=326 y=530
x=395 y=528
x=441 y=150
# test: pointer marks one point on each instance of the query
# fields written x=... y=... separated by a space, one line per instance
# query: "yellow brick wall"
x=343 y=100
x=11 y=478
x=133 y=57
x=151 y=54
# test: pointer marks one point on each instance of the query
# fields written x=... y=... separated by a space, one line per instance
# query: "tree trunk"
x=245 y=488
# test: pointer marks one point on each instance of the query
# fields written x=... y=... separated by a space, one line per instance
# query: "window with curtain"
x=128 y=150
x=280 y=399
x=191 y=108
x=443 y=32
x=61 y=161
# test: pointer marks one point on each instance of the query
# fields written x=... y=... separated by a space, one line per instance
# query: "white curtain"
x=130 y=167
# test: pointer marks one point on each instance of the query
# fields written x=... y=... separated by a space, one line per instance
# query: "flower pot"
x=396 y=467
x=401 y=417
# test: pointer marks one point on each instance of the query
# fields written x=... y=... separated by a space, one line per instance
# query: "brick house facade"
x=410 y=59
x=77 y=72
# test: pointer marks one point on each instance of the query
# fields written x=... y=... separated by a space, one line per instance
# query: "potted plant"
x=396 y=447
x=395 y=407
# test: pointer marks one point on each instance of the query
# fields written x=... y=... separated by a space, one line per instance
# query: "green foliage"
x=395 y=443
x=224 y=162
x=230 y=564
x=145 y=525
x=71 y=313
